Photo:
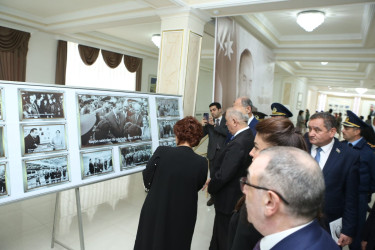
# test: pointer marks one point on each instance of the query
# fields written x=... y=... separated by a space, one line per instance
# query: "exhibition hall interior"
x=187 y=55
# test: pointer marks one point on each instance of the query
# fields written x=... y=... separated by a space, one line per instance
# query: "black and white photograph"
x=96 y=163
x=43 y=138
x=169 y=143
x=1 y=105
x=41 y=105
x=2 y=152
x=3 y=181
x=108 y=120
x=134 y=155
x=166 y=128
x=167 y=107
x=46 y=172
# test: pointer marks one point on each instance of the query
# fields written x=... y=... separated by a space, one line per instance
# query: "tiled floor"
x=110 y=213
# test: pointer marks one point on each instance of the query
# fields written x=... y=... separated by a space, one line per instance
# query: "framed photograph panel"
x=1 y=104
x=41 y=173
x=41 y=104
x=3 y=180
x=167 y=107
x=166 y=128
x=105 y=120
x=96 y=163
x=43 y=138
x=134 y=155
x=169 y=143
x=2 y=142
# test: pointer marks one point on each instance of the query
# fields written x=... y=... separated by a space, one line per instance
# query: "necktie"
x=317 y=156
x=232 y=137
x=257 y=246
x=217 y=122
x=350 y=145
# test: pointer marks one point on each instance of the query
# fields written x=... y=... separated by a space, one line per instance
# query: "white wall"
x=41 y=58
x=204 y=93
x=149 y=67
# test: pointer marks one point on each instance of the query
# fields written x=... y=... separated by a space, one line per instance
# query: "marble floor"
x=110 y=213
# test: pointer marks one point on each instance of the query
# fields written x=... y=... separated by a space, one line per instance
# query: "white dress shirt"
x=326 y=150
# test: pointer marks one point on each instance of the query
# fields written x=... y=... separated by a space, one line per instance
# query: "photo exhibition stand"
x=55 y=138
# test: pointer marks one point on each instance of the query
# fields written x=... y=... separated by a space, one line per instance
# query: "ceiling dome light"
x=361 y=91
x=324 y=63
x=310 y=19
x=156 y=39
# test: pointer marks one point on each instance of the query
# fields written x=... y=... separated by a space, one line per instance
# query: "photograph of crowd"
x=167 y=107
x=134 y=155
x=113 y=119
x=3 y=184
x=44 y=138
x=169 y=143
x=166 y=128
x=46 y=172
x=96 y=163
x=42 y=105
x=2 y=153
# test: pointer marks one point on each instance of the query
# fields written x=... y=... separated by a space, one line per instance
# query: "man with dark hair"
x=340 y=165
x=246 y=106
x=352 y=133
x=32 y=141
x=217 y=131
x=229 y=166
x=284 y=191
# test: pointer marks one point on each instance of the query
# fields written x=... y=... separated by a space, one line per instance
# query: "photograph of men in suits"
x=284 y=191
x=229 y=166
x=32 y=140
x=340 y=165
x=217 y=132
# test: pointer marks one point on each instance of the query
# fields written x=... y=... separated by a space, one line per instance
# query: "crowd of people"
x=274 y=185
x=42 y=105
x=135 y=155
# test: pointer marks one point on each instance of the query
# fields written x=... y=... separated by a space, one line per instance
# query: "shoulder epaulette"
x=371 y=145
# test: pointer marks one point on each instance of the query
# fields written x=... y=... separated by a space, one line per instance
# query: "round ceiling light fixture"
x=310 y=19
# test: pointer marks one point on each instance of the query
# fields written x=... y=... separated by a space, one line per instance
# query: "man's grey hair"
x=246 y=102
x=329 y=120
x=297 y=177
x=238 y=115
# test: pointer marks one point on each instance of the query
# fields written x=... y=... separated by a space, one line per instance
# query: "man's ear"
x=272 y=203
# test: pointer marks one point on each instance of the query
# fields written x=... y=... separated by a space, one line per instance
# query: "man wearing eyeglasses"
x=229 y=166
x=284 y=192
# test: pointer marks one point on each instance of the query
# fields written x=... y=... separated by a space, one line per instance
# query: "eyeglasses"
x=243 y=182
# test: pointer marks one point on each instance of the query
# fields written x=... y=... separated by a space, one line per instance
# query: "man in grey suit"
x=217 y=131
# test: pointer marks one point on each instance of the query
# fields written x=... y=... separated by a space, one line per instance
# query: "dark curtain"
x=134 y=64
x=62 y=53
x=112 y=59
x=13 y=51
x=138 y=77
x=88 y=54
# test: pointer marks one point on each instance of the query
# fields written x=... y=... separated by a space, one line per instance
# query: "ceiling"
x=346 y=40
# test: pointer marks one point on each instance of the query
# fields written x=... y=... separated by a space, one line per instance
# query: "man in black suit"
x=217 y=132
x=229 y=166
x=340 y=165
x=32 y=141
x=116 y=121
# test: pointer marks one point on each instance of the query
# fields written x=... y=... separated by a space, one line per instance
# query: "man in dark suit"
x=352 y=133
x=246 y=105
x=116 y=120
x=230 y=165
x=136 y=117
x=284 y=192
x=217 y=131
x=32 y=140
x=340 y=165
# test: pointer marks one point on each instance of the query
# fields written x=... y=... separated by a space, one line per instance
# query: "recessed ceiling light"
x=216 y=12
x=310 y=19
x=324 y=63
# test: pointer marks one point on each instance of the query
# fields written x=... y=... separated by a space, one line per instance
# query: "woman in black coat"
x=174 y=175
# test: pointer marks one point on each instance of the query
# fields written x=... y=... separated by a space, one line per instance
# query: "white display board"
x=55 y=138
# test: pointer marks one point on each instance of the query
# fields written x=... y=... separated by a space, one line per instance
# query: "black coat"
x=368 y=233
x=169 y=212
x=216 y=137
x=230 y=165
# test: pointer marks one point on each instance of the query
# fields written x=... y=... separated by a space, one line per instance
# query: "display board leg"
x=54 y=219
x=79 y=214
x=79 y=217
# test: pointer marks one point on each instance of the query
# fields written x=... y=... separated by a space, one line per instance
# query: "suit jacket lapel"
x=332 y=158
